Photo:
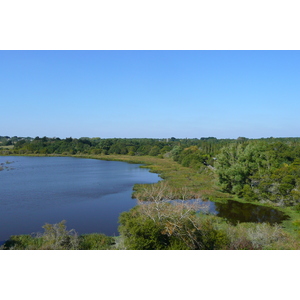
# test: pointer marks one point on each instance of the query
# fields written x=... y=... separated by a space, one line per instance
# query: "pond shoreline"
x=178 y=177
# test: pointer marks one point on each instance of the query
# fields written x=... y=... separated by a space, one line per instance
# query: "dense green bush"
x=95 y=241
x=141 y=233
x=23 y=242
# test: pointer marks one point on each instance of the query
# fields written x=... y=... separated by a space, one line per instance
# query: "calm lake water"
x=89 y=194
x=236 y=212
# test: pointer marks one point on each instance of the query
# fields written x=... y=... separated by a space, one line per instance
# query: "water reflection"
x=236 y=212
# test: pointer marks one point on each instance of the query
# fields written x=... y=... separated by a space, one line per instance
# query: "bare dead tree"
x=178 y=217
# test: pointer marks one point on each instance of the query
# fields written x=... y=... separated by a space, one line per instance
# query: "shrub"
x=22 y=242
x=95 y=241
x=251 y=236
x=140 y=232
x=57 y=237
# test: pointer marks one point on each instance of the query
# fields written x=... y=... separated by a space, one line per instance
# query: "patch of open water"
x=89 y=194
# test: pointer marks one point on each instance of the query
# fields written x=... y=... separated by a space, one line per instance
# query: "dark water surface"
x=236 y=212
x=89 y=194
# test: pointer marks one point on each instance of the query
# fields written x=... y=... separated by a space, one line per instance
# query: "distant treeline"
x=266 y=169
x=8 y=141
x=135 y=146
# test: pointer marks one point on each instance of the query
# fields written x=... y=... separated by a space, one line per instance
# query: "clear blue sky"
x=225 y=94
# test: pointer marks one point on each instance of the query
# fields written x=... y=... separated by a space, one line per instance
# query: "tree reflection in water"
x=236 y=212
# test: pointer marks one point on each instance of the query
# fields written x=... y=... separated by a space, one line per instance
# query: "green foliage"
x=95 y=241
x=297 y=207
x=57 y=237
x=248 y=193
x=155 y=150
x=267 y=171
x=190 y=157
x=141 y=233
x=252 y=236
x=84 y=145
x=22 y=242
